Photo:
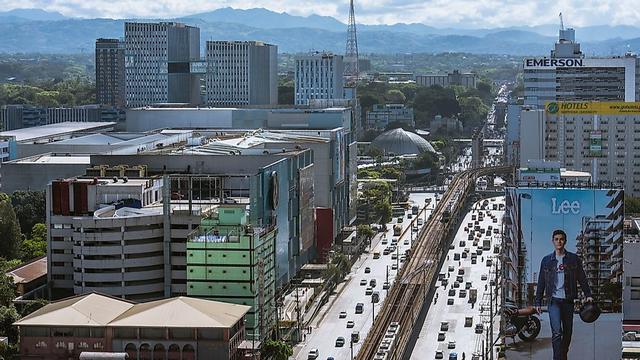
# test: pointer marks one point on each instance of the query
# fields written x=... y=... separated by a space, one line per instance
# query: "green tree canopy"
x=29 y=207
x=631 y=205
x=365 y=231
x=276 y=350
x=9 y=315
x=395 y=96
x=36 y=246
x=9 y=229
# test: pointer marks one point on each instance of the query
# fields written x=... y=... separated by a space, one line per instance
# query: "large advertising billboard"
x=593 y=222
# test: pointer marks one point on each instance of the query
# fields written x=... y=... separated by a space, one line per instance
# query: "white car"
x=313 y=354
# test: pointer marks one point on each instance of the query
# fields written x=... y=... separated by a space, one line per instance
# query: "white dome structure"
x=401 y=142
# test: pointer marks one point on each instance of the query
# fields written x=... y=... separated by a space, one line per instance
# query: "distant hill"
x=291 y=33
x=30 y=15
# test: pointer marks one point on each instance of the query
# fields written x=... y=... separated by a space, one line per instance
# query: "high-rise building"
x=318 y=75
x=241 y=73
x=158 y=63
x=110 y=72
x=596 y=137
x=468 y=80
x=567 y=75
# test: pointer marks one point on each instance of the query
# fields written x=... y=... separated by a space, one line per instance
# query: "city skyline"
x=454 y=13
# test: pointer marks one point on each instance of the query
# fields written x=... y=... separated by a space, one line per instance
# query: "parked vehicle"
x=526 y=327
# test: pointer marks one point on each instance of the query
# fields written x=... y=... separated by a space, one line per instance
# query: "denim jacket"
x=573 y=274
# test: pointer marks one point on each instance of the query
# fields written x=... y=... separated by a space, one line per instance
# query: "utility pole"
x=491 y=321
x=299 y=336
x=373 y=311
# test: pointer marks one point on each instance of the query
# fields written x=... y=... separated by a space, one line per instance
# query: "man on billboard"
x=560 y=273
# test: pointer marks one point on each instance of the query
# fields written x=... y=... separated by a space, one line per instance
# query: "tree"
x=286 y=95
x=631 y=205
x=7 y=290
x=425 y=160
x=30 y=208
x=36 y=246
x=384 y=210
x=276 y=350
x=365 y=231
x=9 y=315
x=9 y=229
x=472 y=112
x=395 y=96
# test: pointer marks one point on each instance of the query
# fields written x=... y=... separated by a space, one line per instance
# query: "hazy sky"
x=439 y=13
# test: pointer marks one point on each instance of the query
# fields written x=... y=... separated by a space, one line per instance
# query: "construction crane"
x=561 y=22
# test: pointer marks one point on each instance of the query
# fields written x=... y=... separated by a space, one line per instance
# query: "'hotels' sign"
x=592 y=108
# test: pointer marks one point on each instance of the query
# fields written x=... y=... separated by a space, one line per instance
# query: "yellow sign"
x=592 y=108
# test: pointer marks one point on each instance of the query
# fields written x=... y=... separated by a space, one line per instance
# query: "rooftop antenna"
x=561 y=22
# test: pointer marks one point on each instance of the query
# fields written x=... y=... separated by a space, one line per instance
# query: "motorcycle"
x=521 y=322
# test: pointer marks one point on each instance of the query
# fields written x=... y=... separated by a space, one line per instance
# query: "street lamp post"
x=351 y=343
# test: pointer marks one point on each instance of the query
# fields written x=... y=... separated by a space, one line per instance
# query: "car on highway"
x=464 y=255
x=385 y=241
x=451 y=247
x=456 y=256
x=340 y=341
x=406 y=242
x=386 y=285
x=359 y=309
x=363 y=282
x=461 y=271
x=483 y=277
x=456 y=284
x=369 y=291
x=373 y=283
x=441 y=336
x=462 y=243
x=343 y=315
x=459 y=279
x=452 y=344
x=450 y=268
x=420 y=222
x=394 y=256
x=313 y=354
x=450 y=301
x=474 y=261
x=394 y=266
x=463 y=293
x=467 y=285
x=468 y=321
x=439 y=354
x=452 y=292
x=350 y=324
x=479 y=328
x=489 y=262
x=453 y=356
x=445 y=282
x=444 y=326
x=367 y=270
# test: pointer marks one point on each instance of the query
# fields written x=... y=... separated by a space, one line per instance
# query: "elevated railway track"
x=416 y=278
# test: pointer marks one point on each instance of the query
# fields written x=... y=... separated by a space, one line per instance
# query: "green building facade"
x=229 y=260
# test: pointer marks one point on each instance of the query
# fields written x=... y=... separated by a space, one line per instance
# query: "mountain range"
x=34 y=30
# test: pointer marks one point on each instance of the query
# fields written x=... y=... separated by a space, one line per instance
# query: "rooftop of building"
x=96 y=309
x=29 y=271
x=54 y=130
x=54 y=158
x=272 y=108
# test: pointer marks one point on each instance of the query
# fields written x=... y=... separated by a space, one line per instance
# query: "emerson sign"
x=552 y=63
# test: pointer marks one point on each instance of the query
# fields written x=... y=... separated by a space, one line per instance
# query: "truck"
x=397 y=230
x=473 y=295
x=486 y=244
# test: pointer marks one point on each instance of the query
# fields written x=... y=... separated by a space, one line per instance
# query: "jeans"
x=561 y=319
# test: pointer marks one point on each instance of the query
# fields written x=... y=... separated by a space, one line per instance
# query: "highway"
x=417 y=277
x=330 y=326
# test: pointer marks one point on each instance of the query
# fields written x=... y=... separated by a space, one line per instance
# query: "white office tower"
x=319 y=75
x=158 y=63
x=567 y=75
x=241 y=73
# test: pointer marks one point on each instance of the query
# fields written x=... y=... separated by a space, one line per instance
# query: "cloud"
x=439 y=13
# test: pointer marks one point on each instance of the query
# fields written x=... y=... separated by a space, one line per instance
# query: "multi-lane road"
x=330 y=326
x=464 y=335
